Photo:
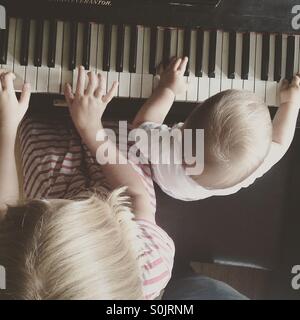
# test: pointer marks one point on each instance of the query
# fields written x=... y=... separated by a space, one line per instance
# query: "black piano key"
x=199 y=53
x=133 y=49
x=212 y=54
x=290 y=57
x=278 y=58
x=73 y=45
x=38 y=50
x=25 y=42
x=187 y=48
x=265 y=59
x=107 y=47
x=86 y=56
x=167 y=47
x=4 y=43
x=246 y=56
x=231 y=55
x=52 y=43
x=120 y=48
x=153 y=49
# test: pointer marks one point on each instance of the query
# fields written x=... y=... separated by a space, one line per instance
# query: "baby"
x=241 y=143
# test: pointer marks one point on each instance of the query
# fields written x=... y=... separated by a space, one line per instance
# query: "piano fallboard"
x=238 y=15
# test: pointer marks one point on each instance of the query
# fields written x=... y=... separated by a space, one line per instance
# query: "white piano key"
x=215 y=83
x=31 y=70
x=43 y=71
x=147 y=79
x=284 y=54
x=124 y=86
x=203 y=85
x=136 y=78
x=226 y=84
x=249 y=84
x=271 y=58
x=140 y=48
x=296 y=63
x=180 y=42
x=183 y=96
x=298 y=66
x=192 y=61
x=237 y=83
x=180 y=45
x=113 y=48
x=203 y=89
x=126 y=49
x=79 y=53
x=9 y=66
x=271 y=93
x=271 y=89
x=259 y=85
x=100 y=55
x=19 y=70
x=100 y=43
x=147 y=85
x=112 y=74
x=135 y=85
x=192 y=93
x=94 y=46
x=55 y=73
x=66 y=75
x=112 y=77
x=174 y=41
x=159 y=46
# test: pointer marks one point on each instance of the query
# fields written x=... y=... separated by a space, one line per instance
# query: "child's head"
x=237 y=135
x=63 y=249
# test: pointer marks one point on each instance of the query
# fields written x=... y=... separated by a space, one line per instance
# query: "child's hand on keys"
x=173 y=76
x=87 y=106
x=290 y=92
x=12 y=111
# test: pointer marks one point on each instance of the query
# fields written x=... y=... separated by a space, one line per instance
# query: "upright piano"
x=242 y=44
x=230 y=43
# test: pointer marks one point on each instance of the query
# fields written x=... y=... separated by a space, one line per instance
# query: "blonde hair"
x=62 y=249
x=237 y=135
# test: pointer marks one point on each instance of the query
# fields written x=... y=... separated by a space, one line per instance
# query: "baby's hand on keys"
x=290 y=92
x=173 y=76
x=87 y=106
x=12 y=111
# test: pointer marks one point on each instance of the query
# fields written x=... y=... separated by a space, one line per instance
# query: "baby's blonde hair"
x=237 y=136
x=61 y=249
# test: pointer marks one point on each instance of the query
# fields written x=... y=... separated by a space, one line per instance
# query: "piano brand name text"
x=89 y=2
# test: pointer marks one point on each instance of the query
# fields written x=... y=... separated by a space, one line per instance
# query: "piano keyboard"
x=46 y=54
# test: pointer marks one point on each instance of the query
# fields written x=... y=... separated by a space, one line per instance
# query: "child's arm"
x=159 y=104
x=12 y=112
x=86 y=108
x=284 y=123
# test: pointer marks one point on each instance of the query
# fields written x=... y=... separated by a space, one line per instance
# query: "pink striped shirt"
x=57 y=165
